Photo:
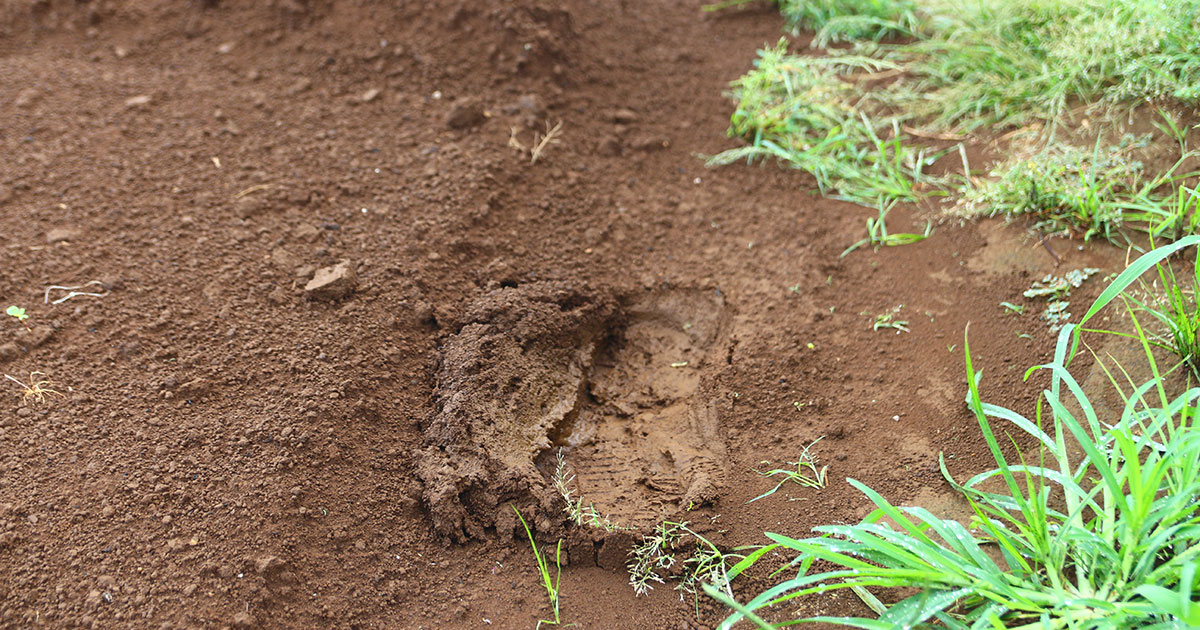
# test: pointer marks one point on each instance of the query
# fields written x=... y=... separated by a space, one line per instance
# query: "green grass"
x=660 y=555
x=1088 y=192
x=798 y=110
x=543 y=566
x=577 y=512
x=878 y=235
x=807 y=472
x=859 y=117
x=1174 y=310
x=1098 y=528
x=851 y=20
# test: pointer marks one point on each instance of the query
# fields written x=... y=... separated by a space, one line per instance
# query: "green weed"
x=1091 y=192
x=544 y=571
x=19 y=314
x=806 y=473
x=579 y=514
x=851 y=20
x=1099 y=529
x=800 y=111
x=878 y=236
x=657 y=555
x=1175 y=307
x=891 y=320
x=1012 y=309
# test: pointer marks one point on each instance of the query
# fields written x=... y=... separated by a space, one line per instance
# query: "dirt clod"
x=625 y=116
x=60 y=234
x=513 y=372
x=332 y=283
x=465 y=113
x=26 y=97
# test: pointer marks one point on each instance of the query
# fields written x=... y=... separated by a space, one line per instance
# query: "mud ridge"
x=614 y=383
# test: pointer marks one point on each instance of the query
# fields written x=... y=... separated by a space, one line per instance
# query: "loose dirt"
x=231 y=450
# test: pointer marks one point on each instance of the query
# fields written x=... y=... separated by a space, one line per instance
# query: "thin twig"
x=949 y=137
x=1046 y=244
x=251 y=189
x=551 y=137
x=540 y=141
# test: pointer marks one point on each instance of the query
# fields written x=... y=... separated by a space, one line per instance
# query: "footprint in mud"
x=549 y=365
x=645 y=440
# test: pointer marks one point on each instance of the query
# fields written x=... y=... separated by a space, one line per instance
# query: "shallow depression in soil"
x=644 y=440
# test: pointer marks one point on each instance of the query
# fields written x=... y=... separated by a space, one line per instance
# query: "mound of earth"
x=551 y=365
x=515 y=370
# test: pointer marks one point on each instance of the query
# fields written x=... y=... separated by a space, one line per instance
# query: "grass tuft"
x=578 y=513
x=1099 y=529
x=857 y=117
x=543 y=566
x=807 y=472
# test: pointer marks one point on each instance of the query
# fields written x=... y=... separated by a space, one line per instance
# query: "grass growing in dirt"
x=577 y=512
x=543 y=566
x=661 y=552
x=878 y=235
x=1174 y=309
x=808 y=473
x=1097 y=529
x=860 y=117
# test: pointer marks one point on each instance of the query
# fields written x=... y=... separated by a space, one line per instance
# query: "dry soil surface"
x=340 y=322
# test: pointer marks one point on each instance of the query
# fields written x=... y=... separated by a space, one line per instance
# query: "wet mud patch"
x=645 y=441
x=617 y=385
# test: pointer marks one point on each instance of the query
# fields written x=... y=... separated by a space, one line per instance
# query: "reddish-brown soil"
x=228 y=451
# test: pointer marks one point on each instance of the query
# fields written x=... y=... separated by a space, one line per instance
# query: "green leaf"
x=18 y=312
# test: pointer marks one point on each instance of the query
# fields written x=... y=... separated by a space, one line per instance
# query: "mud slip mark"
x=548 y=365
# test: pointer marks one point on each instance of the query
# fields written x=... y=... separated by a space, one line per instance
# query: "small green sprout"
x=806 y=474
x=877 y=234
x=1012 y=309
x=19 y=314
x=544 y=571
x=889 y=319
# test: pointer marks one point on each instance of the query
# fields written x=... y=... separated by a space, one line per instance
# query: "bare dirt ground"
x=230 y=450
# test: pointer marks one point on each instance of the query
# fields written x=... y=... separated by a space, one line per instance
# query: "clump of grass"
x=578 y=513
x=1088 y=192
x=890 y=320
x=851 y=20
x=801 y=112
x=807 y=472
x=653 y=555
x=842 y=20
x=544 y=571
x=1016 y=61
x=1175 y=307
x=657 y=556
x=855 y=117
x=1097 y=530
